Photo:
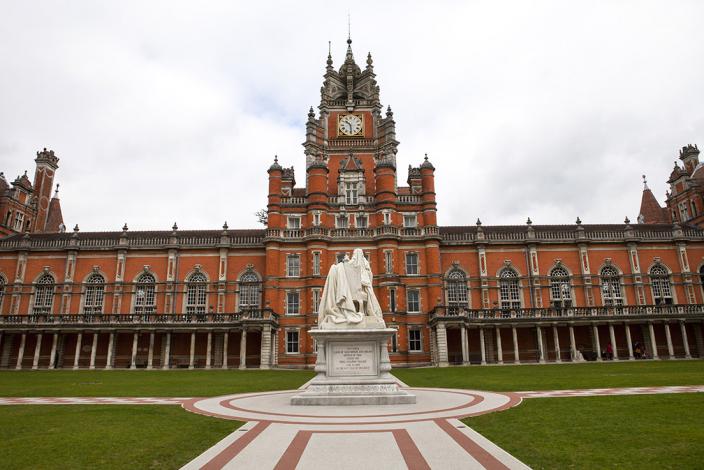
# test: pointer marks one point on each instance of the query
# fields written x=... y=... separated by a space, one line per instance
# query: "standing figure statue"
x=348 y=296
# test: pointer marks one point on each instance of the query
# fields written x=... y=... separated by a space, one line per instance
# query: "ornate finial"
x=426 y=156
x=626 y=220
x=76 y=229
x=224 y=226
x=349 y=29
x=578 y=221
x=329 y=62
x=389 y=113
x=311 y=113
x=56 y=191
x=529 y=222
x=276 y=159
x=370 y=62
x=479 y=222
x=174 y=227
x=125 y=228
x=25 y=172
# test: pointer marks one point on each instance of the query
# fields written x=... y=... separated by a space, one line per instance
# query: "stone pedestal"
x=353 y=369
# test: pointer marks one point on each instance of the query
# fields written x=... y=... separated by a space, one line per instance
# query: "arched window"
x=144 y=301
x=94 y=294
x=660 y=283
x=509 y=292
x=560 y=289
x=196 y=293
x=43 y=295
x=456 y=290
x=249 y=291
x=611 y=286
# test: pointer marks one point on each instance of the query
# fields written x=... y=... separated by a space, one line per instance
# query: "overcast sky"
x=173 y=111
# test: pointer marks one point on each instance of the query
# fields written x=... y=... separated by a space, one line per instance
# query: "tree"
x=262 y=216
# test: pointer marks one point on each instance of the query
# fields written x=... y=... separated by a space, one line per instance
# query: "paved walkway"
x=425 y=435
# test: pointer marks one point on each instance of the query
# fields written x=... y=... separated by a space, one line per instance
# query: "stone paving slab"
x=92 y=401
x=593 y=392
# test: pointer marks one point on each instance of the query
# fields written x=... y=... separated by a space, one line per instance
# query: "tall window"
x=611 y=286
x=249 y=291
x=411 y=263
x=392 y=299
x=316 y=218
x=456 y=290
x=413 y=300
x=509 y=292
x=196 y=293
x=387 y=218
x=415 y=343
x=316 y=263
x=293 y=304
x=316 y=300
x=292 y=342
x=43 y=295
x=351 y=193
x=144 y=298
x=389 y=261
x=560 y=289
x=19 y=221
x=410 y=220
x=694 y=208
x=94 y=294
x=683 y=211
x=294 y=222
x=2 y=290
x=342 y=221
x=293 y=266
x=361 y=221
x=660 y=283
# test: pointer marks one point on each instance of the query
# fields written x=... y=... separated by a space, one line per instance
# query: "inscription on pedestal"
x=352 y=359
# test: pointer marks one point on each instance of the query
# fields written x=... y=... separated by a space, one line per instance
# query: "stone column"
x=597 y=342
x=20 y=354
x=224 y=349
x=653 y=344
x=150 y=356
x=627 y=327
x=482 y=345
x=93 y=350
x=209 y=350
x=79 y=340
x=52 y=354
x=465 y=345
x=541 y=348
x=265 y=353
x=556 y=339
x=111 y=345
x=612 y=337
x=441 y=335
x=573 y=345
x=166 y=360
x=516 y=357
x=243 y=349
x=685 y=341
x=37 y=349
x=192 y=357
x=668 y=338
x=135 y=342
x=499 y=350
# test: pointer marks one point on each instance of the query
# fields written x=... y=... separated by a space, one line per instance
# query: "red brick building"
x=246 y=298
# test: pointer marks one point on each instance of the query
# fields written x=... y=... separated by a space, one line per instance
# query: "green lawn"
x=105 y=436
x=558 y=376
x=126 y=383
x=643 y=432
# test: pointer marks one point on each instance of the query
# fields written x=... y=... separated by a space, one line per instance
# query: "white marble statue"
x=348 y=296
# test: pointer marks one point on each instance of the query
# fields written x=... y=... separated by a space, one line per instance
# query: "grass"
x=558 y=376
x=126 y=383
x=105 y=436
x=644 y=431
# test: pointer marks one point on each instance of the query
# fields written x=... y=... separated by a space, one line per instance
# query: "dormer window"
x=410 y=220
x=294 y=222
x=351 y=194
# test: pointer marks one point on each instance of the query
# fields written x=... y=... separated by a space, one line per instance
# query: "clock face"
x=350 y=124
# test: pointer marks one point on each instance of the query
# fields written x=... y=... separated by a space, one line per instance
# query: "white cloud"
x=166 y=111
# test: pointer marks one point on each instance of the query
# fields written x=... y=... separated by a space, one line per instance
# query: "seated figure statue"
x=348 y=296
